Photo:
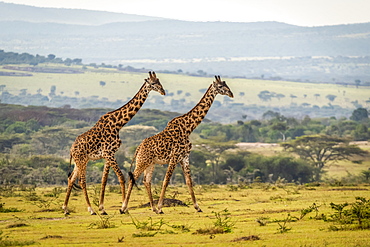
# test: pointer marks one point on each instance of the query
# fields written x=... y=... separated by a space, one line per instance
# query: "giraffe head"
x=153 y=83
x=220 y=87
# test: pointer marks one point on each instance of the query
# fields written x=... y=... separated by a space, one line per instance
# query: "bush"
x=222 y=224
x=355 y=217
x=270 y=169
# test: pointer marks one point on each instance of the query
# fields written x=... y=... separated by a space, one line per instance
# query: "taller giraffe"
x=102 y=141
x=172 y=146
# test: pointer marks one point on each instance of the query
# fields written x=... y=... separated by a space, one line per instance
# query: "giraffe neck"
x=125 y=113
x=195 y=116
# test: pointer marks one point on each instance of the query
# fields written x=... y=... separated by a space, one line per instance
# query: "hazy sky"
x=297 y=12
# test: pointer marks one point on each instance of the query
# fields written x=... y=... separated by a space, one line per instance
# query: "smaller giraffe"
x=102 y=142
x=172 y=146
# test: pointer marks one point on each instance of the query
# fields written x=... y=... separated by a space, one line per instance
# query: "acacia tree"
x=360 y=114
x=320 y=150
x=281 y=127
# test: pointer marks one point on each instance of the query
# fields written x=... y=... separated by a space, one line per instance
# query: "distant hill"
x=17 y=12
x=263 y=49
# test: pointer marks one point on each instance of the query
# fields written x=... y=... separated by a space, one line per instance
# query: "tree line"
x=26 y=58
x=275 y=127
x=35 y=142
x=229 y=114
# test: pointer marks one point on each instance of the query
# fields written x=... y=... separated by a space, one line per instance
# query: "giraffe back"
x=170 y=143
x=101 y=138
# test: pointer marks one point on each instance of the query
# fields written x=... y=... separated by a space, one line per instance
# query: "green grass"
x=243 y=205
x=122 y=85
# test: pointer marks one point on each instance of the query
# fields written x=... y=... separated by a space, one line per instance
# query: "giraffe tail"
x=133 y=159
x=132 y=178
x=76 y=186
x=70 y=164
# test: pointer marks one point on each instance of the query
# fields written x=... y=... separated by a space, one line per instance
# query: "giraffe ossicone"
x=172 y=146
x=102 y=142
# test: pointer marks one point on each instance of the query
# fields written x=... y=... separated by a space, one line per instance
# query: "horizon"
x=332 y=12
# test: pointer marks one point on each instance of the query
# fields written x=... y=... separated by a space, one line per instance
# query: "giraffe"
x=102 y=141
x=172 y=146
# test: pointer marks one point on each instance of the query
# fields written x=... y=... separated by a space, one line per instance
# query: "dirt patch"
x=51 y=236
x=277 y=211
x=251 y=145
x=166 y=203
x=247 y=238
x=54 y=218
x=45 y=218
x=210 y=231
x=360 y=143
x=48 y=210
x=16 y=225
x=13 y=74
x=348 y=189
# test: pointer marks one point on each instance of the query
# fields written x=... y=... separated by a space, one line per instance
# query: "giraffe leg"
x=127 y=197
x=170 y=169
x=137 y=172
x=102 y=191
x=189 y=182
x=121 y=179
x=123 y=209
x=110 y=162
x=148 y=173
x=71 y=180
x=83 y=186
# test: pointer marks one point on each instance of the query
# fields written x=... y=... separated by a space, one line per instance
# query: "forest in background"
x=35 y=142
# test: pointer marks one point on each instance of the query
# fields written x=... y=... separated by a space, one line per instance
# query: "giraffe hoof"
x=199 y=211
x=104 y=213
x=122 y=211
x=93 y=213
x=161 y=212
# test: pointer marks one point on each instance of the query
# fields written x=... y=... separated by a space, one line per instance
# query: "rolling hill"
x=263 y=49
x=252 y=98
x=18 y=12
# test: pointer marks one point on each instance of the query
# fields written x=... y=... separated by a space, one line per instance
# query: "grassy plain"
x=271 y=204
x=122 y=85
x=45 y=224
